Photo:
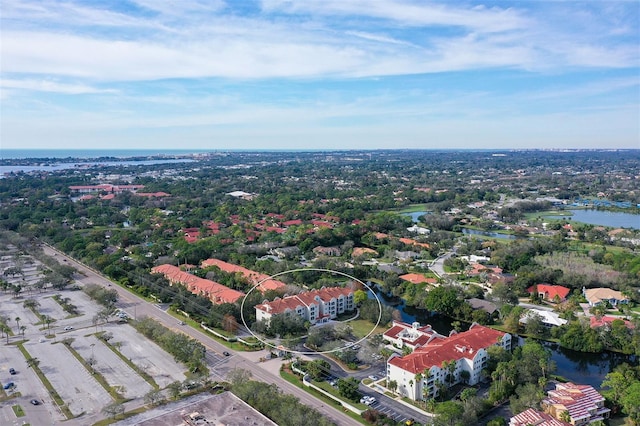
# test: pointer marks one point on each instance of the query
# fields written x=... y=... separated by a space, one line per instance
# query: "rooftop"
x=460 y=345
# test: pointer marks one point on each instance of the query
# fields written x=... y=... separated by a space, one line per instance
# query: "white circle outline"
x=244 y=322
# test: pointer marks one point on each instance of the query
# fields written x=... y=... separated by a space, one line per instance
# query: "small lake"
x=415 y=215
x=578 y=367
x=489 y=234
x=605 y=218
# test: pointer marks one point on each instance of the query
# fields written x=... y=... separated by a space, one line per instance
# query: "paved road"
x=140 y=307
x=389 y=406
x=437 y=266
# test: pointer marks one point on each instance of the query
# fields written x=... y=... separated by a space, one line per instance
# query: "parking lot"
x=75 y=385
x=149 y=357
x=27 y=383
x=72 y=380
x=115 y=371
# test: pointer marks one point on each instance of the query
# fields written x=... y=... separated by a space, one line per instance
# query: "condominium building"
x=316 y=306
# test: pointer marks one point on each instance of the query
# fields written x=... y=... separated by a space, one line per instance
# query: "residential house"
x=549 y=319
x=606 y=321
x=445 y=361
x=412 y=335
x=552 y=293
x=415 y=278
x=363 y=252
x=487 y=306
x=418 y=230
x=595 y=296
x=582 y=403
x=531 y=417
x=315 y=306
x=327 y=251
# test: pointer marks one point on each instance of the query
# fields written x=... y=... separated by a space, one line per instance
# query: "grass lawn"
x=18 y=410
x=333 y=391
x=363 y=327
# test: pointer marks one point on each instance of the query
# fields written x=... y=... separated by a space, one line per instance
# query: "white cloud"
x=51 y=86
x=408 y=13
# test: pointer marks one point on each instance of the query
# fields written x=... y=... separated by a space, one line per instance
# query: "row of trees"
x=283 y=409
x=183 y=348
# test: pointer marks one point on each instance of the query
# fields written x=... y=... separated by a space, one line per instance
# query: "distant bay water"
x=15 y=154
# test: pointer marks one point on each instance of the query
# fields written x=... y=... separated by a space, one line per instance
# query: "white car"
x=374 y=378
x=67 y=328
x=367 y=400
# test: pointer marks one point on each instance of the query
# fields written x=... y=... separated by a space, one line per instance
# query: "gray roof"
x=485 y=305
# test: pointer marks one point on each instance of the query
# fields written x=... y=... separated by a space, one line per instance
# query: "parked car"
x=374 y=378
x=67 y=328
x=34 y=402
x=8 y=385
x=12 y=371
x=225 y=353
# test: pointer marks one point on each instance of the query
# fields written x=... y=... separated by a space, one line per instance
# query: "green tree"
x=442 y=299
x=359 y=296
x=631 y=403
x=349 y=388
x=448 y=413
x=318 y=369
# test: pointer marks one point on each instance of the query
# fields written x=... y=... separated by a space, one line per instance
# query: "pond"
x=415 y=215
x=605 y=218
x=578 y=367
x=468 y=231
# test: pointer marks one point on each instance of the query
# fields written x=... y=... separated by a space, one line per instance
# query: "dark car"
x=225 y=353
x=12 y=371
x=8 y=385
x=35 y=402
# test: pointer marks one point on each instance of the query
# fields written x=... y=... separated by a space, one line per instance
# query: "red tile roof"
x=537 y=418
x=252 y=276
x=550 y=291
x=461 y=345
x=418 y=278
x=214 y=291
x=423 y=334
x=607 y=320
x=411 y=242
x=307 y=298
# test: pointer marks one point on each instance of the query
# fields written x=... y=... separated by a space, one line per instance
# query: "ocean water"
x=12 y=154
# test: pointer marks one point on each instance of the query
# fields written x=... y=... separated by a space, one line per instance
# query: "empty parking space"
x=147 y=355
x=51 y=308
x=75 y=385
x=115 y=371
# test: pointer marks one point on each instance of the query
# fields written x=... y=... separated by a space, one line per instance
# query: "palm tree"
x=23 y=328
x=33 y=362
x=5 y=329
x=418 y=378
x=31 y=304
x=18 y=319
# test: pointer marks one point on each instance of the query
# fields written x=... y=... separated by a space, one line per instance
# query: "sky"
x=319 y=74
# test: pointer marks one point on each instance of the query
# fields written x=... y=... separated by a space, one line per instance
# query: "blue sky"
x=320 y=74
